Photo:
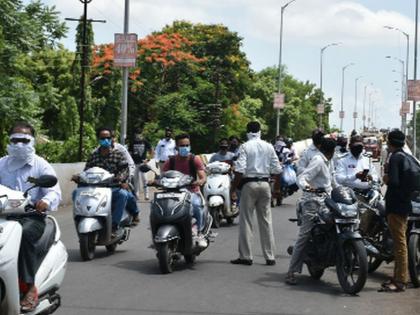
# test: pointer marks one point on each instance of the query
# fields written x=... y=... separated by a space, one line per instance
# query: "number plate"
x=88 y=193
x=168 y=195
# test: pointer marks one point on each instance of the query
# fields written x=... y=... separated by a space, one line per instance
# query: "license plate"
x=168 y=195
x=88 y=193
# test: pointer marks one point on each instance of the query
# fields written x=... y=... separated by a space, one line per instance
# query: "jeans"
x=198 y=210
x=131 y=206
x=138 y=175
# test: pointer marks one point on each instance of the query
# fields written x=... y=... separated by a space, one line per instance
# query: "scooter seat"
x=47 y=239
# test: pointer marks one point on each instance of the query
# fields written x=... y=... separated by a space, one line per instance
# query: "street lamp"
x=364 y=106
x=342 y=94
x=403 y=90
x=280 y=61
x=355 y=101
x=321 y=74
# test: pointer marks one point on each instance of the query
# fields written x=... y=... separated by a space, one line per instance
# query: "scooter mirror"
x=144 y=168
x=44 y=181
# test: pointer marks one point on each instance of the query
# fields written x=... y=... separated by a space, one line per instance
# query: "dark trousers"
x=29 y=259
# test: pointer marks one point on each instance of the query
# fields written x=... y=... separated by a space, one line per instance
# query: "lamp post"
x=364 y=106
x=355 y=101
x=403 y=90
x=321 y=76
x=342 y=94
x=415 y=78
x=280 y=61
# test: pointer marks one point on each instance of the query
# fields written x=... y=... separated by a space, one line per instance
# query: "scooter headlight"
x=348 y=211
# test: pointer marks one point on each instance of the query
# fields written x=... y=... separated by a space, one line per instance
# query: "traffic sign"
x=355 y=115
x=278 y=101
x=125 y=50
x=414 y=90
x=405 y=108
x=341 y=114
x=320 y=108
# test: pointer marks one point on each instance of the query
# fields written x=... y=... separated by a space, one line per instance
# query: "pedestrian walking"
x=398 y=206
x=165 y=148
x=257 y=161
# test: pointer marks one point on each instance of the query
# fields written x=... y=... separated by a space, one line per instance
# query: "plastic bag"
x=288 y=176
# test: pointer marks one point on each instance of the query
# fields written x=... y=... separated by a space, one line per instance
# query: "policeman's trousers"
x=255 y=197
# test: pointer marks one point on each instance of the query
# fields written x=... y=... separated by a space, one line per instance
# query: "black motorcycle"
x=413 y=237
x=335 y=241
x=171 y=221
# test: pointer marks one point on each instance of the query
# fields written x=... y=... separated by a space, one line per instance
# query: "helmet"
x=289 y=141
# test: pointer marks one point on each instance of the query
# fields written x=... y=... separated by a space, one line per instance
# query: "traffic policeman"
x=257 y=161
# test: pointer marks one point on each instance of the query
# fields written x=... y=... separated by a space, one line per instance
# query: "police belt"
x=254 y=179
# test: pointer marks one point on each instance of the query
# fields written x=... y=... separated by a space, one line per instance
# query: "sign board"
x=320 y=108
x=414 y=90
x=278 y=101
x=401 y=112
x=125 y=50
x=355 y=115
x=405 y=108
x=341 y=114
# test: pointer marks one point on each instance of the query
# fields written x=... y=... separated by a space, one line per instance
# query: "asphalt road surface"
x=129 y=281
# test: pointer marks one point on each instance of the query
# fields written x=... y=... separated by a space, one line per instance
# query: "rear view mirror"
x=44 y=181
x=144 y=168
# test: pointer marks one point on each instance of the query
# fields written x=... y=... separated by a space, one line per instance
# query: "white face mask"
x=21 y=153
x=253 y=135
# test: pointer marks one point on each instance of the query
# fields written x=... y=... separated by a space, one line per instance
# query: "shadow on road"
x=100 y=253
x=151 y=266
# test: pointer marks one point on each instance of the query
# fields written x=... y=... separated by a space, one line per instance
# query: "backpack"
x=411 y=173
x=192 y=168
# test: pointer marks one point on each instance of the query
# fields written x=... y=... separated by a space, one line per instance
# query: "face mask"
x=168 y=135
x=184 y=151
x=356 y=150
x=105 y=143
x=21 y=153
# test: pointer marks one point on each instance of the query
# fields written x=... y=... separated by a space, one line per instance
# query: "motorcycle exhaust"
x=371 y=250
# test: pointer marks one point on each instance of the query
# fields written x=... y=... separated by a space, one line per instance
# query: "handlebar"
x=316 y=190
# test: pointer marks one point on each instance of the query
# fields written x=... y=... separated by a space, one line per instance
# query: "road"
x=129 y=282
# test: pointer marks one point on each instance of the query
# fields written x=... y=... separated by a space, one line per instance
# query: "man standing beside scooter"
x=189 y=164
x=21 y=163
x=165 y=149
x=257 y=161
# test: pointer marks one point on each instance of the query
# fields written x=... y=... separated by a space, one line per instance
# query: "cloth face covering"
x=20 y=153
x=356 y=150
x=184 y=151
x=105 y=143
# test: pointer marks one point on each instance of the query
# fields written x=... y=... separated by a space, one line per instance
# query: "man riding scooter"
x=21 y=163
x=112 y=160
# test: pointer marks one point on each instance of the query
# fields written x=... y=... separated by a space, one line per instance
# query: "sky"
x=308 y=26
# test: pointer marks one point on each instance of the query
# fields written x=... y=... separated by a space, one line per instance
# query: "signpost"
x=125 y=50
x=341 y=114
x=278 y=101
x=320 y=109
x=414 y=90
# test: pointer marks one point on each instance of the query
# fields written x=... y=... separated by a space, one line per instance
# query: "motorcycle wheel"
x=315 y=273
x=87 y=243
x=111 y=248
x=189 y=259
x=165 y=258
x=215 y=213
x=230 y=220
x=373 y=263
x=352 y=266
x=414 y=259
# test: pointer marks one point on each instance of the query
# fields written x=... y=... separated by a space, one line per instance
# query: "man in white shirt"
x=354 y=169
x=257 y=161
x=21 y=163
x=317 y=176
x=317 y=137
x=165 y=148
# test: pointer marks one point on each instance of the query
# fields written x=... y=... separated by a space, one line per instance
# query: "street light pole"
x=342 y=95
x=124 y=100
x=415 y=78
x=321 y=77
x=403 y=91
x=355 y=102
x=280 y=62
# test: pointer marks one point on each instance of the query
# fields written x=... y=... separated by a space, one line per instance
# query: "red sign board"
x=125 y=50
x=278 y=101
x=414 y=90
x=341 y=114
x=405 y=108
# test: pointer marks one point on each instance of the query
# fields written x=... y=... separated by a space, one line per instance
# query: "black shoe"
x=239 y=261
x=270 y=262
x=136 y=220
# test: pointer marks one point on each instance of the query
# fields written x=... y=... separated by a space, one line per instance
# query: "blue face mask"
x=105 y=143
x=184 y=151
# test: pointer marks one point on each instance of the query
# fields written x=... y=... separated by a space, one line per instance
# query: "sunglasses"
x=20 y=140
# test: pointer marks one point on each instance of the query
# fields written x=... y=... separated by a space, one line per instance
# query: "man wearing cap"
x=398 y=206
x=21 y=163
x=165 y=148
x=257 y=161
x=355 y=169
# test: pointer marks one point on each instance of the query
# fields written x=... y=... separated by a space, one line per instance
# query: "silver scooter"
x=50 y=274
x=92 y=213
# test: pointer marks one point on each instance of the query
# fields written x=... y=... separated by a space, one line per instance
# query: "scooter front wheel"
x=165 y=257
x=87 y=243
x=414 y=259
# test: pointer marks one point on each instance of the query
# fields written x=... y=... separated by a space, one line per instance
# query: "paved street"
x=129 y=282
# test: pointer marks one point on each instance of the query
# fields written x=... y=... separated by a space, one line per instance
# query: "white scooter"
x=217 y=193
x=92 y=213
x=50 y=274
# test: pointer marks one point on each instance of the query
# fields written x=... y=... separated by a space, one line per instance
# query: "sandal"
x=291 y=279
x=393 y=288
x=387 y=282
x=30 y=302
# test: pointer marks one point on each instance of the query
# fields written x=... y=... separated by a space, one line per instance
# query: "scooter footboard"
x=166 y=233
x=87 y=225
